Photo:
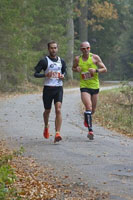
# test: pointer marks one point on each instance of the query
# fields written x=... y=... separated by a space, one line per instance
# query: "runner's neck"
x=85 y=57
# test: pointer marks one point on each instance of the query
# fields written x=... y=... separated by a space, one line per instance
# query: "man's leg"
x=87 y=101
x=58 y=121
x=46 y=117
x=47 y=101
x=58 y=118
x=46 y=120
x=94 y=102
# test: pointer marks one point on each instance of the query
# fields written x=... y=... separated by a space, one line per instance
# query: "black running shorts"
x=52 y=93
x=89 y=90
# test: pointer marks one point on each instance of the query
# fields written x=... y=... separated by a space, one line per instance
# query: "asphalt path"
x=105 y=163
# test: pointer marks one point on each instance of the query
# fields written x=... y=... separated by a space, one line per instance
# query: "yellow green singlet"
x=93 y=82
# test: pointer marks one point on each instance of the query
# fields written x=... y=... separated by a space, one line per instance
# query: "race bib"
x=56 y=75
x=86 y=75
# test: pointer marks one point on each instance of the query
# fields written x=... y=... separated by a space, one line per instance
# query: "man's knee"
x=58 y=110
x=88 y=107
x=46 y=112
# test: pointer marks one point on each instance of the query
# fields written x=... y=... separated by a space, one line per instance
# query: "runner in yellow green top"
x=89 y=66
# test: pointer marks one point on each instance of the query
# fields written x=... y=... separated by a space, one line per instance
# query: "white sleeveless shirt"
x=55 y=68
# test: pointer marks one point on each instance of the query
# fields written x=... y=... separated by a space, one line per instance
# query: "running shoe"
x=90 y=135
x=57 y=137
x=46 y=133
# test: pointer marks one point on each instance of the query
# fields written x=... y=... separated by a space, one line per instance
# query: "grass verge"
x=115 y=110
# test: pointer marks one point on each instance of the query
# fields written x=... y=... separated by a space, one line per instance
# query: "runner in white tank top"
x=54 y=69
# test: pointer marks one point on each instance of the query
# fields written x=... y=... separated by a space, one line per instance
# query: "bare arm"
x=75 y=67
x=101 y=67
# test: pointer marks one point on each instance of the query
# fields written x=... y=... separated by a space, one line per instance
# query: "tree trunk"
x=83 y=27
x=70 y=38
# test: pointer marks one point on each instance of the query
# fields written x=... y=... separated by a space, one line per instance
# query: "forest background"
x=28 y=25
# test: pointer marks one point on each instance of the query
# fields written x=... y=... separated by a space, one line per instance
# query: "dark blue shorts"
x=52 y=93
x=89 y=90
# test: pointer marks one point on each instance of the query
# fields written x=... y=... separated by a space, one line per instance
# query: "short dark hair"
x=51 y=42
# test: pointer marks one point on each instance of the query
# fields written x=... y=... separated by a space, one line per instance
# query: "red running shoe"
x=46 y=133
x=57 y=137
x=90 y=135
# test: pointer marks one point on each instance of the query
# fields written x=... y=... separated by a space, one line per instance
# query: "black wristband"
x=97 y=71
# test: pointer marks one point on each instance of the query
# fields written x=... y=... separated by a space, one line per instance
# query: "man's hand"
x=78 y=69
x=75 y=67
x=49 y=74
x=61 y=77
x=92 y=71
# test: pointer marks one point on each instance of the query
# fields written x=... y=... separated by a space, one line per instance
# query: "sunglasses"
x=85 y=48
